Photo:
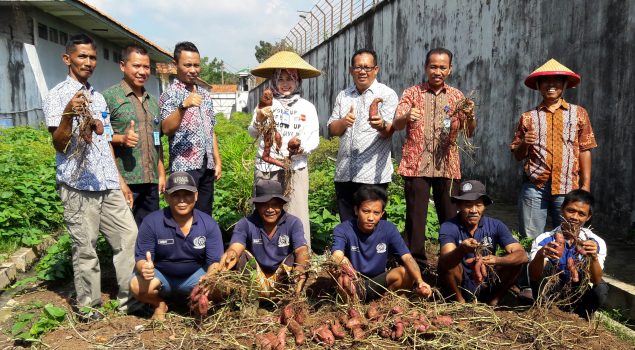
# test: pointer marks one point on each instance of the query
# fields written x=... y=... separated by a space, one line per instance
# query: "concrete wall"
x=497 y=43
x=34 y=68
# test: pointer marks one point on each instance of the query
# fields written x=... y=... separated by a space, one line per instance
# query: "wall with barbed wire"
x=497 y=43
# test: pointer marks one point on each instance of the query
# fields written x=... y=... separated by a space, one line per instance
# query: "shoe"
x=526 y=296
x=90 y=317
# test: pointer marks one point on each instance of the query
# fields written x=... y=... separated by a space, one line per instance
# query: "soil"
x=475 y=326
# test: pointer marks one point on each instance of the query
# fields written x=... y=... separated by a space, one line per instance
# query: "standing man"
x=365 y=140
x=188 y=120
x=137 y=140
x=433 y=113
x=555 y=140
x=93 y=193
x=470 y=240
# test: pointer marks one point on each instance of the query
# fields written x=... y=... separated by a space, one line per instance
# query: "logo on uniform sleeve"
x=199 y=242
x=283 y=241
x=381 y=248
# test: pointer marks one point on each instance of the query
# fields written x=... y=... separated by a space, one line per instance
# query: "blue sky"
x=226 y=29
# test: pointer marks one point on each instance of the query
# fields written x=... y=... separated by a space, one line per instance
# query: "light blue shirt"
x=90 y=168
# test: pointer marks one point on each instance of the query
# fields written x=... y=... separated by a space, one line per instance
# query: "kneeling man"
x=364 y=243
x=273 y=238
x=576 y=254
x=469 y=242
x=175 y=247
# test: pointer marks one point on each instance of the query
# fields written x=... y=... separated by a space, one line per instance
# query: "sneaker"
x=90 y=317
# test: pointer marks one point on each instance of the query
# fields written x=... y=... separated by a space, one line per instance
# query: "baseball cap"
x=180 y=181
x=472 y=190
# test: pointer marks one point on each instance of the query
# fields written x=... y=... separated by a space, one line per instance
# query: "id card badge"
x=156 y=136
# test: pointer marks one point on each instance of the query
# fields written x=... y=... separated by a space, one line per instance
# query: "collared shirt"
x=269 y=252
x=563 y=133
x=430 y=148
x=193 y=140
x=173 y=253
x=491 y=232
x=569 y=250
x=364 y=156
x=296 y=120
x=138 y=165
x=368 y=253
x=89 y=168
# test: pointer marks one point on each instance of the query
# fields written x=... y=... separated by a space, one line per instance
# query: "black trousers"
x=344 y=192
x=146 y=200
x=204 y=179
x=417 y=193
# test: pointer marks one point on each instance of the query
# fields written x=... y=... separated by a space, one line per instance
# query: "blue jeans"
x=533 y=206
x=171 y=287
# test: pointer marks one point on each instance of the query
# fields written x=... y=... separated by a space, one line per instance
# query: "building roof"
x=227 y=88
x=170 y=69
x=97 y=23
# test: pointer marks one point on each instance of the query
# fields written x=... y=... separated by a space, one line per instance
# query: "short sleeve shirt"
x=89 y=168
x=364 y=156
x=269 y=252
x=173 y=253
x=562 y=135
x=492 y=232
x=193 y=140
x=569 y=250
x=138 y=165
x=368 y=253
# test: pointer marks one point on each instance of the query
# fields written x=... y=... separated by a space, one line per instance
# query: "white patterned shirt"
x=93 y=169
x=364 y=156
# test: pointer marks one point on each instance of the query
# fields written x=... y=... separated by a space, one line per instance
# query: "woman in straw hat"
x=285 y=157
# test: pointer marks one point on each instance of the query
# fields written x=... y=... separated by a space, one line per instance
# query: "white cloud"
x=227 y=29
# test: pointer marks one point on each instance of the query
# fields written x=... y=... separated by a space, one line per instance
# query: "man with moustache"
x=365 y=140
x=430 y=156
x=471 y=239
x=92 y=191
x=188 y=119
x=134 y=115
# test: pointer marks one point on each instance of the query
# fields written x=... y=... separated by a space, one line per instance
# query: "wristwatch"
x=182 y=107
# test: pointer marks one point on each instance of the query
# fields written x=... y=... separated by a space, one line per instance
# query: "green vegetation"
x=35 y=320
x=29 y=205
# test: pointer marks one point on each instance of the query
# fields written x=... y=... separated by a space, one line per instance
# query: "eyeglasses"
x=365 y=69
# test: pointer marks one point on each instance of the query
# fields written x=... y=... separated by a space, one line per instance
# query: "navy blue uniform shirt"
x=269 y=253
x=368 y=253
x=490 y=231
x=173 y=253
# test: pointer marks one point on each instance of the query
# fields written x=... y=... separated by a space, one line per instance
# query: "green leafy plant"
x=37 y=320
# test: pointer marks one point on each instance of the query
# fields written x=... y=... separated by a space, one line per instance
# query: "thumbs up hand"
x=414 y=114
x=350 y=117
x=148 y=268
x=131 y=138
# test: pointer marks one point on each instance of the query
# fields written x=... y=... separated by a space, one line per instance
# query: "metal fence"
x=324 y=20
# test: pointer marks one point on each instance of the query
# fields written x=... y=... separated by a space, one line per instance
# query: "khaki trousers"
x=298 y=199
x=86 y=213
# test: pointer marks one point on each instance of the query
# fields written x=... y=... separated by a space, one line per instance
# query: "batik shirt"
x=431 y=149
x=193 y=140
x=83 y=167
x=364 y=156
x=138 y=165
x=562 y=135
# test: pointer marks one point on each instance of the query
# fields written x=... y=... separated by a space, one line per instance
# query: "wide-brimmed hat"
x=472 y=190
x=552 y=67
x=180 y=181
x=267 y=190
x=285 y=60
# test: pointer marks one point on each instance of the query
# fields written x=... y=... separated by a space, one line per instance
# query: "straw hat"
x=552 y=67
x=288 y=60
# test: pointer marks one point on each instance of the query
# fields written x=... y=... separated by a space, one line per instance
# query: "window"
x=53 y=35
x=63 y=38
x=106 y=54
x=42 y=31
x=116 y=56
